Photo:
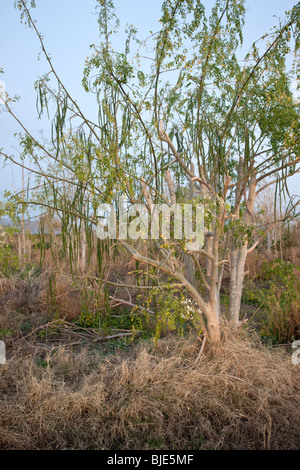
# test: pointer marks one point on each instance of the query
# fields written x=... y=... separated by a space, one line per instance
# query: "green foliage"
x=278 y=300
x=49 y=332
x=173 y=311
x=295 y=15
x=8 y=258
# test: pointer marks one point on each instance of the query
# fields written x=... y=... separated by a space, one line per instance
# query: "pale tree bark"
x=188 y=260
x=238 y=258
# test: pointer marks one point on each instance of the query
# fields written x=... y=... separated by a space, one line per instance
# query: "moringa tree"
x=181 y=119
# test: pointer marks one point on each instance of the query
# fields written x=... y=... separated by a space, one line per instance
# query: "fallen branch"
x=202 y=347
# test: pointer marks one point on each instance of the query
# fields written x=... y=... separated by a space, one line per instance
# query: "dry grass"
x=241 y=396
x=28 y=298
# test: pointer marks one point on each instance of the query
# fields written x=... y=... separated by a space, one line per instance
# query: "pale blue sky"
x=69 y=27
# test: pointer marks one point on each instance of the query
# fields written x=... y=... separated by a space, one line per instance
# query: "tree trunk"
x=238 y=260
x=213 y=324
x=190 y=269
x=211 y=312
x=237 y=274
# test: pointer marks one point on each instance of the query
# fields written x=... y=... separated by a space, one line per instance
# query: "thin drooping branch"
x=76 y=106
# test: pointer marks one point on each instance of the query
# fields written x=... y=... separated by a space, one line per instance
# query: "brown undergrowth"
x=241 y=396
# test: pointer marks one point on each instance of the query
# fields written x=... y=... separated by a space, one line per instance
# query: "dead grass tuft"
x=30 y=297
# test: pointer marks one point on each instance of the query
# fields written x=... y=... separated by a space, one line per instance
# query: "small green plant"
x=43 y=363
x=115 y=345
x=89 y=319
x=25 y=327
x=155 y=443
x=6 y=332
x=49 y=333
x=174 y=311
